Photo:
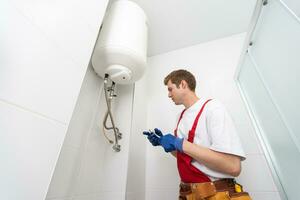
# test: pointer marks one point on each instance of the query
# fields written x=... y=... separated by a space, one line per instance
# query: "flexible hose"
x=109 y=111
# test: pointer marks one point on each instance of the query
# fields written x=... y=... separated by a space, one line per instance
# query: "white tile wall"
x=91 y=175
x=66 y=23
x=256 y=175
x=161 y=170
x=136 y=195
x=47 y=46
x=265 y=196
x=135 y=186
x=162 y=194
x=60 y=198
x=35 y=74
x=45 y=50
x=90 y=92
x=100 y=173
x=227 y=91
x=116 y=164
x=77 y=157
x=102 y=196
x=65 y=173
x=27 y=162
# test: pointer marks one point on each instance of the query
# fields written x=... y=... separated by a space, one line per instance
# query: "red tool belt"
x=224 y=189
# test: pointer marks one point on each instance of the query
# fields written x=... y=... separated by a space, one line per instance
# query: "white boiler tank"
x=121 y=49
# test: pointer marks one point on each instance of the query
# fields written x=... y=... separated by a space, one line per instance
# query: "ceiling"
x=175 y=24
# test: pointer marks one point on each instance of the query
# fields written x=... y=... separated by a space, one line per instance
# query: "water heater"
x=121 y=48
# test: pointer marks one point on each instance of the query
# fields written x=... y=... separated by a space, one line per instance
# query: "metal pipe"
x=117 y=135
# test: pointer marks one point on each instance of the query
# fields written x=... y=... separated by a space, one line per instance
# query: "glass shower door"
x=269 y=82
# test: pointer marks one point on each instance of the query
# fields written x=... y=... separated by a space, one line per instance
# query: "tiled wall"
x=45 y=51
x=71 y=162
x=135 y=188
x=88 y=168
x=214 y=65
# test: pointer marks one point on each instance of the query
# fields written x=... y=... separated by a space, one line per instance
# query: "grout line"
x=24 y=109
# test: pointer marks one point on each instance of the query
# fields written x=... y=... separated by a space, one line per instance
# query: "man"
x=205 y=143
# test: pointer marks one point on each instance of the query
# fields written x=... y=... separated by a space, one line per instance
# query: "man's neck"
x=190 y=100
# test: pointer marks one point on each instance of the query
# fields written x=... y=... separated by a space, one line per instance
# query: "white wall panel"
x=29 y=148
x=44 y=54
x=34 y=73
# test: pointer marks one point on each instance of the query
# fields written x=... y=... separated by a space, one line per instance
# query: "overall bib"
x=188 y=173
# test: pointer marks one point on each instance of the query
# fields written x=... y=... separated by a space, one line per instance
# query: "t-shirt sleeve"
x=222 y=132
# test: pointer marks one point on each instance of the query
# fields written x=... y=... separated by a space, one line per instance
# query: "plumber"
x=205 y=144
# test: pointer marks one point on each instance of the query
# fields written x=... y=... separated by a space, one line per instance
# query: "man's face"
x=175 y=93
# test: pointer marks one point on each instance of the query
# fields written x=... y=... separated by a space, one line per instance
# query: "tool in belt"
x=199 y=191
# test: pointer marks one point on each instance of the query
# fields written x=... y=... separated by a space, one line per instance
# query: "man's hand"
x=169 y=142
x=154 y=138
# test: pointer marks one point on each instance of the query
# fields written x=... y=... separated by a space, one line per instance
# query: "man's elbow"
x=236 y=169
x=236 y=172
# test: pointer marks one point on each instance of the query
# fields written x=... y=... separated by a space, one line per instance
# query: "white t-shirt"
x=215 y=130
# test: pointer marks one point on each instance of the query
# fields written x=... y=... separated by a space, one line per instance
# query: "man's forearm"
x=222 y=162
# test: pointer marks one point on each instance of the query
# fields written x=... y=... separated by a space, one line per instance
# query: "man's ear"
x=183 y=84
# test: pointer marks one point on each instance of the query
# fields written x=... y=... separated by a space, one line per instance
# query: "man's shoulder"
x=214 y=104
x=215 y=107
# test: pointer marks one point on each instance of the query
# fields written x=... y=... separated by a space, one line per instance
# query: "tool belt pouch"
x=203 y=190
x=240 y=196
x=186 y=192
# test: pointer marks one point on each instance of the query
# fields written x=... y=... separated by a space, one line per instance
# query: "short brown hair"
x=178 y=75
